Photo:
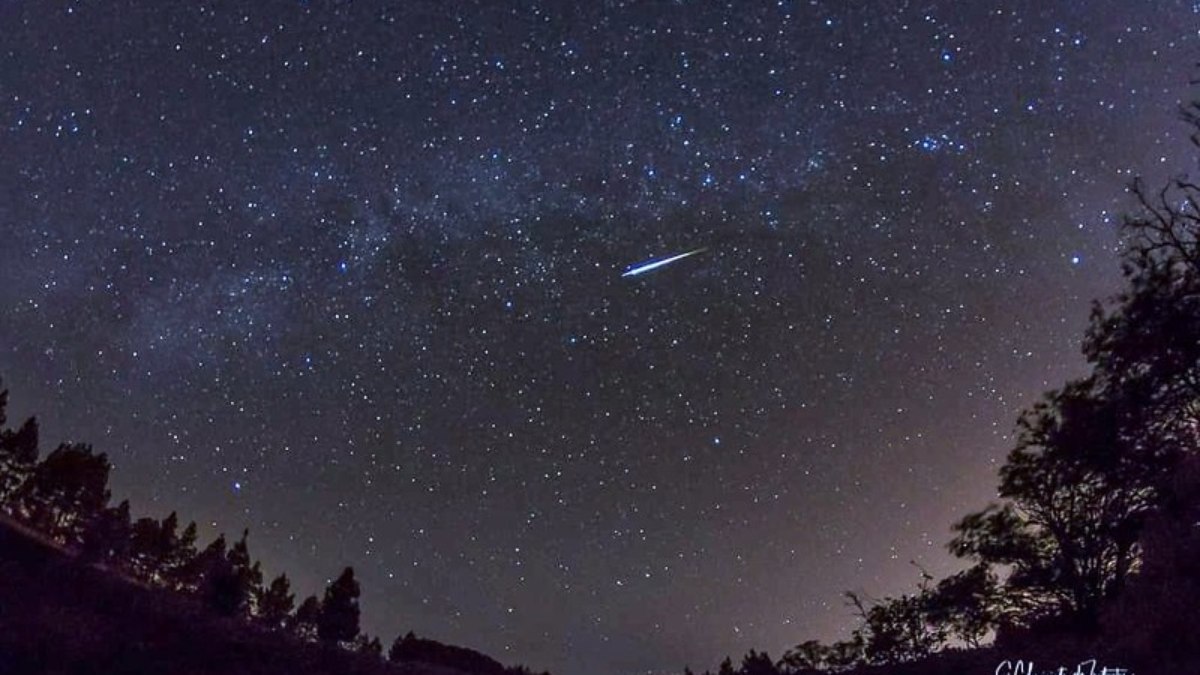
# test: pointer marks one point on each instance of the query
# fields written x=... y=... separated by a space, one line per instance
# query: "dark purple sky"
x=349 y=274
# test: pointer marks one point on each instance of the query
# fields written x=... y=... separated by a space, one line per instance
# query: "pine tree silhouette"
x=154 y=545
x=217 y=582
x=247 y=573
x=65 y=491
x=306 y=618
x=275 y=603
x=758 y=663
x=369 y=646
x=338 y=620
x=179 y=553
x=18 y=455
x=402 y=648
x=107 y=539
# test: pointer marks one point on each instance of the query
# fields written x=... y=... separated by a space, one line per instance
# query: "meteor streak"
x=649 y=265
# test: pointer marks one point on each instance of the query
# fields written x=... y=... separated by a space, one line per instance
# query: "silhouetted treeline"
x=1095 y=541
x=64 y=497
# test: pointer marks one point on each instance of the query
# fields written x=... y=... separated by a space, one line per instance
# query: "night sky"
x=350 y=274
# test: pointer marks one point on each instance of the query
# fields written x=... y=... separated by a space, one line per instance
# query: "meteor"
x=649 y=265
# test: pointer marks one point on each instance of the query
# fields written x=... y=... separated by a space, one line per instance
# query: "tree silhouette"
x=1157 y=613
x=900 y=629
x=275 y=603
x=806 y=657
x=758 y=663
x=108 y=536
x=180 y=557
x=248 y=575
x=1094 y=460
x=65 y=491
x=146 y=549
x=369 y=646
x=18 y=453
x=968 y=605
x=159 y=553
x=403 y=648
x=845 y=654
x=307 y=616
x=218 y=581
x=1075 y=501
x=1145 y=346
x=338 y=620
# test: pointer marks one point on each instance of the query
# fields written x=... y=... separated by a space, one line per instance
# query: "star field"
x=349 y=274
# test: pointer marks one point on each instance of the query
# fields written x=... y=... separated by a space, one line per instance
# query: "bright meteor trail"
x=655 y=264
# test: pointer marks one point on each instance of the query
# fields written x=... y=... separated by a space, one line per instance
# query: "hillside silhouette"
x=83 y=589
x=60 y=616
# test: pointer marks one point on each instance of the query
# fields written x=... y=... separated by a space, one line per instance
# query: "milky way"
x=349 y=274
